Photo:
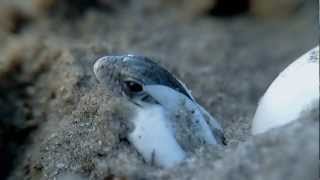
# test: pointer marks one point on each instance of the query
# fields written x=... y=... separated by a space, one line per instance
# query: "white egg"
x=294 y=91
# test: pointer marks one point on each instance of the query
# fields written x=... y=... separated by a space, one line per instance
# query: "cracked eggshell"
x=294 y=91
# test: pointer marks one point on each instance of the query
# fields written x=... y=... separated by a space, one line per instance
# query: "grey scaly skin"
x=147 y=85
x=117 y=70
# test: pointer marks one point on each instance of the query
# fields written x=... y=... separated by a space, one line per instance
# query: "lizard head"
x=128 y=75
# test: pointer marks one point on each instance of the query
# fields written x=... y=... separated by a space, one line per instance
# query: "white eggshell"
x=294 y=91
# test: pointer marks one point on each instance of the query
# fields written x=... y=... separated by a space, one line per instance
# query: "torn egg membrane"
x=165 y=133
x=212 y=121
x=154 y=138
x=178 y=104
x=294 y=91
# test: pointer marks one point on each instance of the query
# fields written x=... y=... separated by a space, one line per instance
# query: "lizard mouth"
x=143 y=100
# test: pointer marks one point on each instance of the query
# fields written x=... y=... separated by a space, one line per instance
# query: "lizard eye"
x=133 y=87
